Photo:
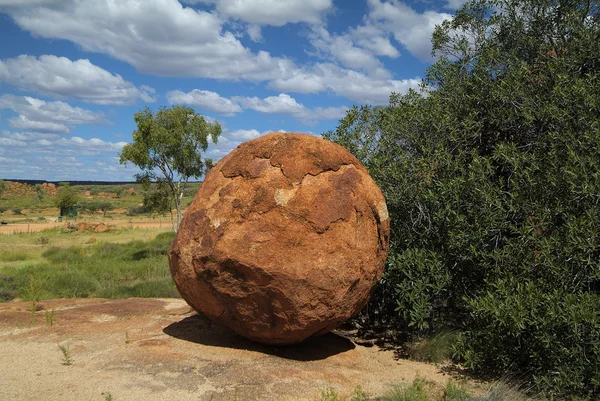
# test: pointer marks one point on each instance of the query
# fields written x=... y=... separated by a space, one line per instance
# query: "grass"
x=502 y=392
x=421 y=390
x=14 y=255
x=413 y=392
x=455 y=392
x=72 y=269
x=330 y=394
x=433 y=349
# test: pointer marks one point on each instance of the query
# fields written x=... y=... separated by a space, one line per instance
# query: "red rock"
x=49 y=188
x=285 y=239
x=101 y=227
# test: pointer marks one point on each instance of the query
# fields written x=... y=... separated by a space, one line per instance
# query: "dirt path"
x=35 y=227
x=157 y=349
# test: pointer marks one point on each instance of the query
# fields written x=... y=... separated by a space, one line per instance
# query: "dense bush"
x=137 y=210
x=492 y=178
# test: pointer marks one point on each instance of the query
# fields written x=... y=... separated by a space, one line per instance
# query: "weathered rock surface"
x=285 y=239
x=157 y=349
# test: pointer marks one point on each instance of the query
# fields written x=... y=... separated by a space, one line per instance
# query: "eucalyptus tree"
x=167 y=147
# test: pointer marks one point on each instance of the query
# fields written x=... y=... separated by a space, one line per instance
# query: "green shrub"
x=42 y=240
x=137 y=210
x=435 y=348
x=521 y=326
x=492 y=179
x=74 y=254
x=8 y=288
x=72 y=283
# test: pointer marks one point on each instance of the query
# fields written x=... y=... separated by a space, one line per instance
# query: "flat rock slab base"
x=157 y=349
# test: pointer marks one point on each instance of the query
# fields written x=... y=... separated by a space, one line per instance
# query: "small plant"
x=434 y=349
x=34 y=306
x=107 y=396
x=34 y=289
x=455 y=392
x=127 y=339
x=43 y=240
x=359 y=394
x=17 y=210
x=50 y=316
x=413 y=392
x=330 y=394
x=502 y=392
x=67 y=358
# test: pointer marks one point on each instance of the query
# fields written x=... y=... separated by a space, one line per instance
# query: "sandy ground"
x=13 y=228
x=158 y=349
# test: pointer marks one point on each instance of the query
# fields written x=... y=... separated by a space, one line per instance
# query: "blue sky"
x=73 y=72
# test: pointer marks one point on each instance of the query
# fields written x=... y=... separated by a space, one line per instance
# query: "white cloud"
x=56 y=157
x=272 y=12
x=91 y=145
x=10 y=161
x=254 y=32
x=22 y=122
x=232 y=139
x=302 y=81
x=204 y=99
x=62 y=78
x=35 y=142
x=342 y=48
x=374 y=39
x=351 y=84
x=455 y=4
x=160 y=37
x=38 y=115
x=411 y=29
x=282 y=104
x=244 y=135
x=310 y=116
x=285 y=104
x=163 y=37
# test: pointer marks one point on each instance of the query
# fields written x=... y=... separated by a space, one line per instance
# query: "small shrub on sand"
x=435 y=349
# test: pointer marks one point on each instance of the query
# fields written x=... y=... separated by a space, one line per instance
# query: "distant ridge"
x=34 y=182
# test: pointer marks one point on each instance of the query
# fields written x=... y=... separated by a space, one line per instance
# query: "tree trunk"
x=178 y=207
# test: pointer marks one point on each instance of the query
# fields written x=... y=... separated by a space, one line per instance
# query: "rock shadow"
x=200 y=330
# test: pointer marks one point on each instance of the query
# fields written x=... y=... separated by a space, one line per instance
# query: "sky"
x=74 y=72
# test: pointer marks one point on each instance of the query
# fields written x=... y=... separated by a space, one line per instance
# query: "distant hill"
x=34 y=182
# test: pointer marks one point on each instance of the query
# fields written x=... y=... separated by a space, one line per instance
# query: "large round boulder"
x=286 y=238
